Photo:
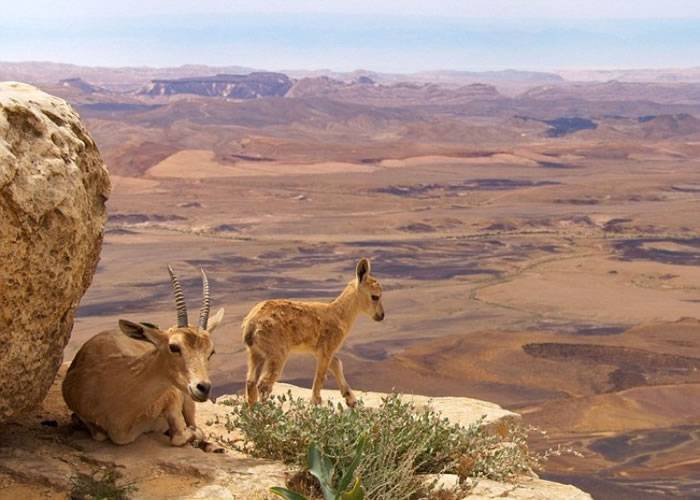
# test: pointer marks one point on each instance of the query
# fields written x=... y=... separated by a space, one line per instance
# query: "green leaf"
x=319 y=465
x=350 y=471
x=285 y=493
x=356 y=493
x=322 y=469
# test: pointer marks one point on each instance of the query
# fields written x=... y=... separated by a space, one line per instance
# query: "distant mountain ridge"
x=659 y=75
x=127 y=78
x=448 y=77
x=614 y=90
x=80 y=84
x=45 y=71
x=365 y=91
x=250 y=86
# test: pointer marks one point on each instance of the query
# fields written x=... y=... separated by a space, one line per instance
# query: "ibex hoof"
x=209 y=447
x=187 y=436
x=99 y=436
x=264 y=390
x=316 y=400
x=197 y=434
x=180 y=439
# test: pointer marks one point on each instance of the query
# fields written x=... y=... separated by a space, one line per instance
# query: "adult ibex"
x=124 y=383
x=274 y=328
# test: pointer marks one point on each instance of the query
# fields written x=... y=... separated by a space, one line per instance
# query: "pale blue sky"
x=391 y=35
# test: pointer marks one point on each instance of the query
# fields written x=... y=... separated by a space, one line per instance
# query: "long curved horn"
x=206 y=303
x=179 y=300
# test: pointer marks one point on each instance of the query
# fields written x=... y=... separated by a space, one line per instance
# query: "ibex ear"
x=362 y=270
x=143 y=331
x=216 y=320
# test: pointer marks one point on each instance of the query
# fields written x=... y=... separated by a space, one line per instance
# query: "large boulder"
x=53 y=189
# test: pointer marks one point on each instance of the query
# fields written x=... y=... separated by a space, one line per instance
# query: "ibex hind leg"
x=272 y=369
x=255 y=366
x=95 y=432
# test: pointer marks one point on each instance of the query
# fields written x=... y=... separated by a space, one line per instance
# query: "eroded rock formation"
x=53 y=188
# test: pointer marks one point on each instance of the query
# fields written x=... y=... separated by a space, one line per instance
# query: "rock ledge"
x=39 y=460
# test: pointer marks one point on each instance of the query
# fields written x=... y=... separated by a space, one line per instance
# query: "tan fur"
x=124 y=383
x=275 y=328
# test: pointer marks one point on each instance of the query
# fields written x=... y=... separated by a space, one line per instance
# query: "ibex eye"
x=175 y=349
x=375 y=298
x=212 y=353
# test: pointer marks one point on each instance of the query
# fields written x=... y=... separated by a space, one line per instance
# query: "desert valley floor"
x=539 y=247
x=565 y=294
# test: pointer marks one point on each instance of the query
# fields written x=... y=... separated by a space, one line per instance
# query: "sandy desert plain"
x=547 y=264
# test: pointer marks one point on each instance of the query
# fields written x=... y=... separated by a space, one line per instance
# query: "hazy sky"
x=390 y=35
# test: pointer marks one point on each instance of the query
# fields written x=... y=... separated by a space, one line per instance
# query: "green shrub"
x=403 y=442
x=100 y=485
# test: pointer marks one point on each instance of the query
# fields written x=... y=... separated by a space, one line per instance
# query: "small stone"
x=212 y=492
x=442 y=481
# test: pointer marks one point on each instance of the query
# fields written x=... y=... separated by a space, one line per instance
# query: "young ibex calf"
x=274 y=328
x=139 y=379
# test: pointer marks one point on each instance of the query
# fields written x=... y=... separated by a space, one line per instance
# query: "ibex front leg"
x=188 y=412
x=337 y=368
x=322 y=363
x=180 y=432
